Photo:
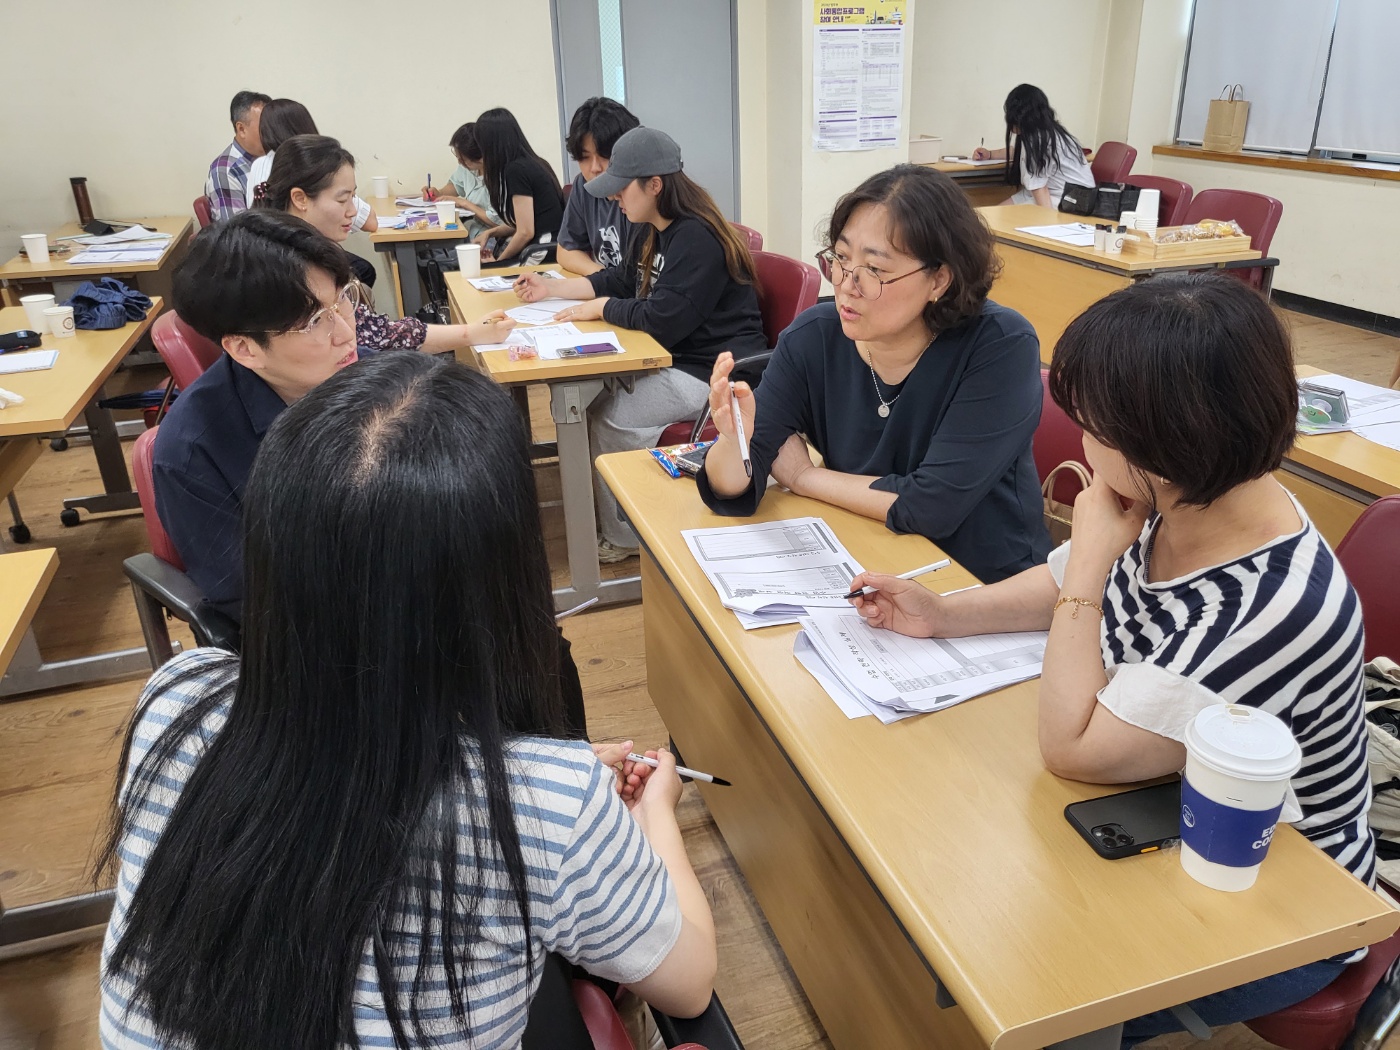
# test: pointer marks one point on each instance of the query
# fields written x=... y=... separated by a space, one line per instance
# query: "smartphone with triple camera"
x=1128 y=823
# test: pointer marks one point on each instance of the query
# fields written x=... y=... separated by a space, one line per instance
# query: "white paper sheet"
x=857 y=86
x=27 y=361
x=127 y=254
x=126 y=236
x=1369 y=406
x=541 y=312
x=1079 y=234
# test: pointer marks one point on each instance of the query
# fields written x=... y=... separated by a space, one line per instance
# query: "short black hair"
x=248 y=275
x=244 y=101
x=1189 y=376
x=932 y=220
x=281 y=119
x=605 y=119
x=464 y=144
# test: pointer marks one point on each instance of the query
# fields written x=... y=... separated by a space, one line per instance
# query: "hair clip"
x=260 y=191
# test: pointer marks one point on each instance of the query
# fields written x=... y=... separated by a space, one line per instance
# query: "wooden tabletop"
x=960 y=828
x=54 y=397
x=1367 y=465
x=642 y=352
x=957 y=169
x=1003 y=220
x=27 y=575
x=385 y=206
x=58 y=267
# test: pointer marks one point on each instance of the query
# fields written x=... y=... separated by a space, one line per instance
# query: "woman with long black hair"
x=524 y=190
x=370 y=828
x=1044 y=155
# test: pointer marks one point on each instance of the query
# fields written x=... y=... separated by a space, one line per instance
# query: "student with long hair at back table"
x=1043 y=155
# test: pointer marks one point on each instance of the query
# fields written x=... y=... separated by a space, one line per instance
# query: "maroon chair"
x=755 y=238
x=786 y=287
x=1257 y=214
x=1176 y=197
x=202 y=212
x=186 y=353
x=1058 y=439
x=1367 y=554
x=1112 y=162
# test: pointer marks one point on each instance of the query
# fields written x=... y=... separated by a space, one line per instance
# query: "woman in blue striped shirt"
x=370 y=828
x=1211 y=587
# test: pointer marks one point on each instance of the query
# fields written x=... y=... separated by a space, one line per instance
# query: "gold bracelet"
x=1077 y=602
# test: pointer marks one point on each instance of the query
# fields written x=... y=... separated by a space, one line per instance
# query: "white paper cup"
x=36 y=247
x=1239 y=761
x=60 y=321
x=1114 y=242
x=34 y=307
x=469 y=259
x=1149 y=203
x=1100 y=239
x=446 y=213
x=381 y=185
x=1128 y=219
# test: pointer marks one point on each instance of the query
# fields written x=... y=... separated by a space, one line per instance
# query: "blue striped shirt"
x=599 y=894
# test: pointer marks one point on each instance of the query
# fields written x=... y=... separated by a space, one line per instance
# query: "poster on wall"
x=858 y=74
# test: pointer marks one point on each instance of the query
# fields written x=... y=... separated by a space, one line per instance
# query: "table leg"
x=568 y=405
x=111 y=463
x=29 y=671
x=410 y=290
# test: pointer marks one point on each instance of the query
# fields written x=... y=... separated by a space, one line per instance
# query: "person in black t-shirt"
x=524 y=190
x=595 y=234
x=687 y=280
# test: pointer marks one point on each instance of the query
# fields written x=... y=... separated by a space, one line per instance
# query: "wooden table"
x=1051 y=283
x=921 y=877
x=984 y=184
x=27 y=575
x=401 y=246
x=573 y=384
x=152 y=277
x=53 y=400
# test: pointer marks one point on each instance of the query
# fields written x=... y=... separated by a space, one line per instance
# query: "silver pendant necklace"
x=884 y=410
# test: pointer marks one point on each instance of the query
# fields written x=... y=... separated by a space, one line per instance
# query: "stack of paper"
x=541 y=312
x=1373 y=411
x=775 y=571
x=1078 y=234
x=505 y=284
x=890 y=676
x=135 y=244
x=31 y=361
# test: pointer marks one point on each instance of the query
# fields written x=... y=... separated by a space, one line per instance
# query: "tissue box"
x=925 y=149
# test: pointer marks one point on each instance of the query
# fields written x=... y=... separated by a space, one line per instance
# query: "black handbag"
x=1079 y=200
x=1114 y=199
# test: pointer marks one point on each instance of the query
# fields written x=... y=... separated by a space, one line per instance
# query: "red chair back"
x=1257 y=214
x=1176 y=197
x=186 y=353
x=202 y=212
x=755 y=238
x=1113 y=161
x=786 y=288
x=1057 y=439
x=142 y=457
x=1367 y=554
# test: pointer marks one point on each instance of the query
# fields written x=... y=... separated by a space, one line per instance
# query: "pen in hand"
x=692 y=774
x=739 y=430
x=428 y=193
x=861 y=591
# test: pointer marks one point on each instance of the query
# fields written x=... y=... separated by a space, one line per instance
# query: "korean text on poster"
x=858 y=74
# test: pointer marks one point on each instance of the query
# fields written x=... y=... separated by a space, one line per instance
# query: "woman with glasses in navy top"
x=920 y=394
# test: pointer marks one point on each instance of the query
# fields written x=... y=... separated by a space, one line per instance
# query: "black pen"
x=692 y=774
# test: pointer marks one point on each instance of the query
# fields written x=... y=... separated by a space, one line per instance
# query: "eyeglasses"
x=322 y=323
x=869 y=284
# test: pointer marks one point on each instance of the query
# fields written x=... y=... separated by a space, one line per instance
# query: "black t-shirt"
x=528 y=177
x=955 y=448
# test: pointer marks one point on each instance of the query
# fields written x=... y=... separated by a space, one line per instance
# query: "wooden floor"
x=58 y=751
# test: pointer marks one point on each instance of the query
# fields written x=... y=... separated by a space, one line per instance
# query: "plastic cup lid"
x=1243 y=742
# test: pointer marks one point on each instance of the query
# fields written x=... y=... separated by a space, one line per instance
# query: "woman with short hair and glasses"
x=920 y=393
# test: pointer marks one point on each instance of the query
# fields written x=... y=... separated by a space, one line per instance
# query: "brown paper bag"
x=1059 y=517
x=1226 y=120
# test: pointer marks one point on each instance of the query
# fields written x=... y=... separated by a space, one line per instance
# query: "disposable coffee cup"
x=1149 y=203
x=1128 y=219
x=381 y=185
x=1239 y=761
x=1115 y=239
x=60 y=321
x=1100 y=238
x=469 y=259
x=36 y=247
x=446 y=213
x=34 y=307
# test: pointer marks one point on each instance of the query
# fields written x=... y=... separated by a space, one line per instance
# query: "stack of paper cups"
x=1128 y=220
x=1239 y=761
x=1148 y=206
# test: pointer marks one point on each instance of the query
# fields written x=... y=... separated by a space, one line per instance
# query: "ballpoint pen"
x=693 y=774
x=428 y=194
x=739 y=431
x=903 y=576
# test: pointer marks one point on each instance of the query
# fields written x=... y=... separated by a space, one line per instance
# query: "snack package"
x=681 y=459
x=523 y=353
x=1205 y=230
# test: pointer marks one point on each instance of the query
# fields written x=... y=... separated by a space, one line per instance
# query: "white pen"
x=693 y=774
x=903 y=576
x=739 y=430
x=576 y=609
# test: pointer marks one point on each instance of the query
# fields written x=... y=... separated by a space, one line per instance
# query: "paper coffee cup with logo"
x=1239 y=761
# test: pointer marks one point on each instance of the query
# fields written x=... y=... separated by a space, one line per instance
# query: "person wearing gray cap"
x=687 y=280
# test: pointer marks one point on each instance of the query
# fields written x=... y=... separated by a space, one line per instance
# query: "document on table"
x=976 y=163
x=876 y=672
x=541 y=312
x=1079 y=234
x=505 y=284
x=126 y=236
x=1369 y=408
x=530 y=336
x=773 y=572
x=30 y=361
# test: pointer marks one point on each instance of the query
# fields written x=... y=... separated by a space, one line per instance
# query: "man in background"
x=595 y=233
x=227 y=185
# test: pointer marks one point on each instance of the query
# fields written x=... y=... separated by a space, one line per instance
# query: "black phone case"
x=24 y=339
x=1130 y=822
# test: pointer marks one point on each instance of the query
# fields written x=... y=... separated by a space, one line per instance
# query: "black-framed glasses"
x=868 y=283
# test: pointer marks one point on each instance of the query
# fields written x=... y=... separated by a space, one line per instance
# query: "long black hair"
x=1039 y=133
x=306 y=162
x=281 y=119
x=501 y=140
x=397 y=633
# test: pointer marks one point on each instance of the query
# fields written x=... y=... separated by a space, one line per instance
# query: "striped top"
x=599 y=894
x=1278 y=629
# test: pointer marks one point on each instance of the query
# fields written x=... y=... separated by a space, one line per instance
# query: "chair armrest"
x=751 y=366
x=176 y=592
x=712 y=1030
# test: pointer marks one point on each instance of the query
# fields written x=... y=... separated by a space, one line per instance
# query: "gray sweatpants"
x=620 y=420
